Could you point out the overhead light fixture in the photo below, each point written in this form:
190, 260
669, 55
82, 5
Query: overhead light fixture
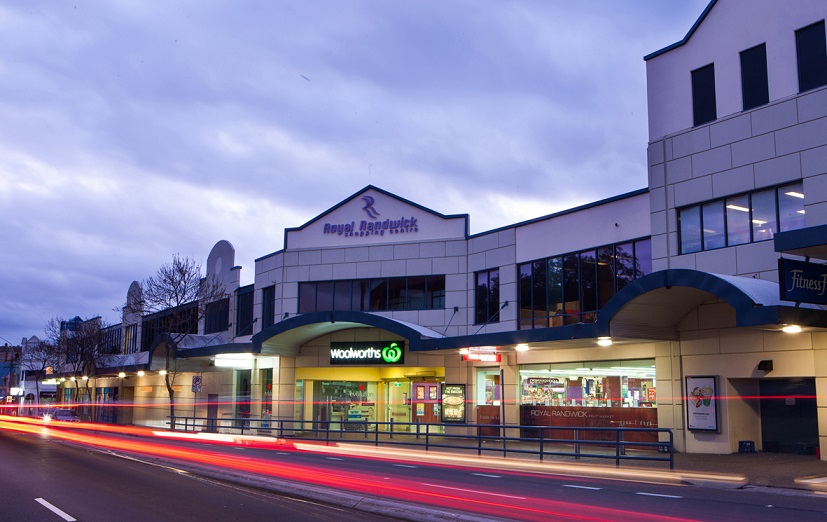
121, 375
521, 347
791, 329
464, 351
738, 208
604, 341
234, 360
141, 373
162, 372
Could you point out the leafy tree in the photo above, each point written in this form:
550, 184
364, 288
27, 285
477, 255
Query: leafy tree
39, 357
173, 302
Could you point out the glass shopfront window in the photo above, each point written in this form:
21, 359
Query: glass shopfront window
605, 394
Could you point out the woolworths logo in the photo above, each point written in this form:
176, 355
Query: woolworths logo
366, 353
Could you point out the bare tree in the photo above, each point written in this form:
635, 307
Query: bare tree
173, 302
78, 342
39, 357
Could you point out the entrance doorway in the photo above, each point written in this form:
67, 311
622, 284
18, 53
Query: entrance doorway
789, 422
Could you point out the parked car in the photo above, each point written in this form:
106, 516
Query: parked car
61, 415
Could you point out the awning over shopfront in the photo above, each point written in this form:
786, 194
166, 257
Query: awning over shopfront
807, 242
192, 352
286, 337
652, 306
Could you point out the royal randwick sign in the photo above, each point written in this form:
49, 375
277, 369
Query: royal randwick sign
365, 353
802, 282
374, 224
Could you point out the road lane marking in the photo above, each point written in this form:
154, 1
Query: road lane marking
62, 514
657, 495
333, 458
472, 491
405, 466
487, 475
581, 487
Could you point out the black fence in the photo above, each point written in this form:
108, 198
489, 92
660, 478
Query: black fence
618, 444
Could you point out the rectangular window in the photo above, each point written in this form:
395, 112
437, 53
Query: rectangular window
712, 215
737, 220
307, 298
624, 264
554, 283
643, 257
343, 295
690, 229
324, 296
217, 316
764, 223
487, 297
538, 289
378, 295
436, 292
396, 293
244, 312
812, 56
131, 342
588, 286
571, 289
526, 311
268, 306
417, 288
791, 207
605, 275
704, 108
754, 83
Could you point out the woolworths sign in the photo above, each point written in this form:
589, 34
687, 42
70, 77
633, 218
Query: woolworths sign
384, 353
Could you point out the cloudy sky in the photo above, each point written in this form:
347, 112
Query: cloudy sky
133, 130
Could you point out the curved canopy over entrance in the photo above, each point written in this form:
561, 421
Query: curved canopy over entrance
652, 306
287, 337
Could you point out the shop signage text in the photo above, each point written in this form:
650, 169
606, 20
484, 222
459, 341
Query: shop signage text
482, 357
802, 282
375, 226
384, 353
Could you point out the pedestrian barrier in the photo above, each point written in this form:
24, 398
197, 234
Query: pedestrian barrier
614, 443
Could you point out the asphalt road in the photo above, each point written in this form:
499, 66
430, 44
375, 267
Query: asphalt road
90, 485
48, 480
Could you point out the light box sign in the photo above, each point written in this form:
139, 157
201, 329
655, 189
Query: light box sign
453, 402
702, 403
482, 357
383, 353
802, 282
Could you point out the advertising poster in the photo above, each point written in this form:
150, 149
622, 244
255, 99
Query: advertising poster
702, 403
453, 402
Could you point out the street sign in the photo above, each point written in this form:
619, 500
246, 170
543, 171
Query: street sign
196, 383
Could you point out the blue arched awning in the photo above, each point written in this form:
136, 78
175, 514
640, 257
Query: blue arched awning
287, 336
653, 305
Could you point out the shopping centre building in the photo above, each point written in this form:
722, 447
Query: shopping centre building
656, 308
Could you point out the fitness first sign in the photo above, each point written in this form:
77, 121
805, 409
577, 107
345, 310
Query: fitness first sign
802, 282
384, 353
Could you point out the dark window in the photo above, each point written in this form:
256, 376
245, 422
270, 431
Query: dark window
605, 275
737, 220
526, 310
538, 288
754, 83
343, 295
436, 293
268, 306
244, 311
554, 282
624, 264
324, 296
307, 298
588, 284
131, 342
704, 109
378, 295
571, 289
396, 293
217, 316
812, 56
643, 257
487, 297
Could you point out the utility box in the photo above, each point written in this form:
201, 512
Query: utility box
746, 446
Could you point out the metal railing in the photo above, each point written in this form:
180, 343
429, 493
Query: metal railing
618, 444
